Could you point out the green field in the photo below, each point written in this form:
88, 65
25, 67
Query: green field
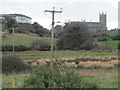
111, 44
18, 80
61, 54
113, 33
20, 39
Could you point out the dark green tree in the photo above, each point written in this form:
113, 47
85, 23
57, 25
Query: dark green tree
57, 30
42, 32
75, 36
10, 23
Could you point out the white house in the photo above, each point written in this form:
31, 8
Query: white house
18, 17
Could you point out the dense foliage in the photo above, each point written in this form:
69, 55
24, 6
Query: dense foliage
10, 24
75, 36
26, 28
13, 64
16, 48
107, 35
41, 45
44, 77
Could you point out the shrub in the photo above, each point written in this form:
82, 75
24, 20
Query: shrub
117, 37
103, 39
22, 48
6, 47
13, 64
41, 45
43, 77
118, 45
16, 48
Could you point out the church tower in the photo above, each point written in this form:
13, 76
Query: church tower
102, 19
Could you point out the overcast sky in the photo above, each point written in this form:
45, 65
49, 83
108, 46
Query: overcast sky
73, 10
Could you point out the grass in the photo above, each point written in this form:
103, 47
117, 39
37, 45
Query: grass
113, 33
18, 80
105, 78
63, 54
20, 39
111, 44
102, 83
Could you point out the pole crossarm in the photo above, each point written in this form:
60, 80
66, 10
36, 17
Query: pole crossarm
53, 11
48, 11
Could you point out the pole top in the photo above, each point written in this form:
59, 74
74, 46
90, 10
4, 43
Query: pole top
53, 8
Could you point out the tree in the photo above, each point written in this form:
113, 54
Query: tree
42, 32
57, 30
75, 36
10, 23
36, 25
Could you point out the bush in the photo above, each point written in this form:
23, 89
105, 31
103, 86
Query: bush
75, 36
22, 48
43, 77
7, 48
40, 45
13, 64
117, 37
118, 45
16, 48
103, 39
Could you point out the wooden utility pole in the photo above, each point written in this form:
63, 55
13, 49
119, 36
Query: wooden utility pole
52, 31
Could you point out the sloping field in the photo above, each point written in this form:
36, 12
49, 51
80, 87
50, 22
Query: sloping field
20, 39
113, 33
111, 44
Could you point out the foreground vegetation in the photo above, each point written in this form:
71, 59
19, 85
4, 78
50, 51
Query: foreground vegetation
45, 77
101, 77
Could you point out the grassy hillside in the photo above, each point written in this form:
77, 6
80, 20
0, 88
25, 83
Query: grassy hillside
25, 39
113, 33
111, 44
20, 39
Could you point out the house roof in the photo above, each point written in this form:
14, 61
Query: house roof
20, 15
8, 15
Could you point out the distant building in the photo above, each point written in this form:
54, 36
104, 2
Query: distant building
119, 15
18, 17
98, 26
